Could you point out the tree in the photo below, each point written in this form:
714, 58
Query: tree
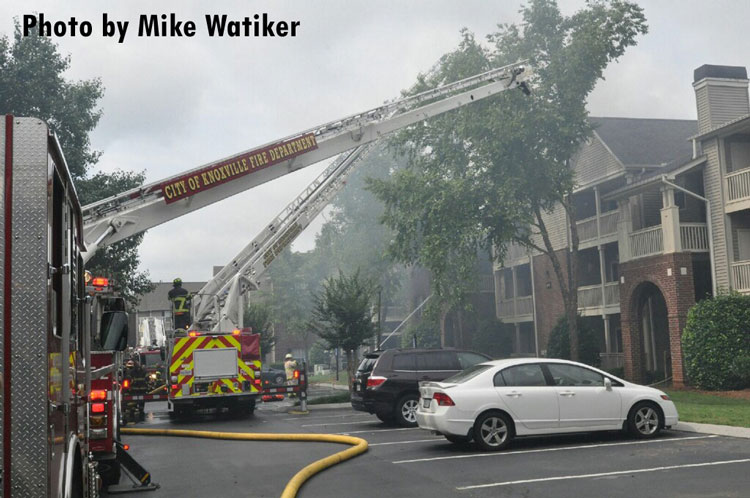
342, 315
258, 316
490, 173
32, 83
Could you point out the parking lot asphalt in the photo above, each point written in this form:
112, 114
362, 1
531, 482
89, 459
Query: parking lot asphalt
413, 462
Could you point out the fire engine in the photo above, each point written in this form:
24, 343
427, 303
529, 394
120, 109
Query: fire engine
57, 398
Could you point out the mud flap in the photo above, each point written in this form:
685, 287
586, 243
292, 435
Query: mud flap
140, 477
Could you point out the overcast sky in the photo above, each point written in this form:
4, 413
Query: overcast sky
172, 104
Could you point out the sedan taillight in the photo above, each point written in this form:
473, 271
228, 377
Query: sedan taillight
443, 399
375, 381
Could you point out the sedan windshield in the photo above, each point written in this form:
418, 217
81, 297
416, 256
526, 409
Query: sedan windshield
467, 374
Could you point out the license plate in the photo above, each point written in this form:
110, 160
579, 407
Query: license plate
426, 402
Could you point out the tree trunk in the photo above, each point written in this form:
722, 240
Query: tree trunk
443, 316
350, 367
569, 285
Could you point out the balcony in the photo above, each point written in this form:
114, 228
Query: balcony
590, 298
738, 185
741, 276
587, 228
694, 237
518, 309
646, 242
486, 283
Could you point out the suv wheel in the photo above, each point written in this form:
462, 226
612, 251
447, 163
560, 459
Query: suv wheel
406, 410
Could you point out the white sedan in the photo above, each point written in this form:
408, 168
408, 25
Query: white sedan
493, 402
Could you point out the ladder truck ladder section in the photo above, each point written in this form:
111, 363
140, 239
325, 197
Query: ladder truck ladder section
219, 300
135, 211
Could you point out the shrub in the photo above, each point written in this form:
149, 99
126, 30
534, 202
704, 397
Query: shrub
494, 338
558, 345
716, 342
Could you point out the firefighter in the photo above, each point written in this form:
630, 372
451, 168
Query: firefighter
136, 374
180, 299
290, 365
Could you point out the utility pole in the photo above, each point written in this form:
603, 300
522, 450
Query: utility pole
379, 331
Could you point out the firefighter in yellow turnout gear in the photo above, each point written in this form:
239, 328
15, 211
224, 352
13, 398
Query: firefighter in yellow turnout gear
180, 298
290, 365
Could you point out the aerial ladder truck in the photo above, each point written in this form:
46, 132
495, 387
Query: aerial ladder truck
217, 362
46, 364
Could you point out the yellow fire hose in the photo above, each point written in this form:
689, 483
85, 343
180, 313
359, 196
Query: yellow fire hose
359, 446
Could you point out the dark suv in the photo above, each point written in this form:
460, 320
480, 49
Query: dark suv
387, 382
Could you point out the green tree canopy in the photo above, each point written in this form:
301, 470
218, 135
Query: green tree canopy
485, 175
32, 83
342, 314
258, 316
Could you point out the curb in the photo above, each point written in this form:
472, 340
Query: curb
721, 430
327, 406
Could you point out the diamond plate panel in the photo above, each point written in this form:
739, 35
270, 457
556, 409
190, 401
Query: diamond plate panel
29, 362
2, 277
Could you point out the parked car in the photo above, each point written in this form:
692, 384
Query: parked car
272, 377
387, 382
496, 401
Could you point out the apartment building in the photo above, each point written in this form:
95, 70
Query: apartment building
663, 217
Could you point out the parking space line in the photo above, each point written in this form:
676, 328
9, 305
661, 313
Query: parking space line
380, 430
330, 416
544, 450
407, 442
340, 423
605, 474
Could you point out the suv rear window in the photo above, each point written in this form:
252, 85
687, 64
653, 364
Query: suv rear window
367, 364
437, 361
404, 362
468, 359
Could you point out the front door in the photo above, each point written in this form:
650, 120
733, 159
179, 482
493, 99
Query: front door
583, 399
531, 402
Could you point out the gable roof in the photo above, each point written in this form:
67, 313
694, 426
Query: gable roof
640, 142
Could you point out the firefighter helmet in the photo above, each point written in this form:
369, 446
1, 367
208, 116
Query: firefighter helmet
177, 282
288, 356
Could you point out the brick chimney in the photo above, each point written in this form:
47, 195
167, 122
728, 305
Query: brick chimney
720, 94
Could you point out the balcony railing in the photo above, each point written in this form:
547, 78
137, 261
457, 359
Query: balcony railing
738, 185
587, 227
694, 237
646, 242
590, 296
520, 306
612, 360
486, 283
741, 276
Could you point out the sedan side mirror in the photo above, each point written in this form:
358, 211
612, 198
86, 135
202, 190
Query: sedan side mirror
607, 384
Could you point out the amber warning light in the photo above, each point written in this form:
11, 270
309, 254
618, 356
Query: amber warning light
100, 282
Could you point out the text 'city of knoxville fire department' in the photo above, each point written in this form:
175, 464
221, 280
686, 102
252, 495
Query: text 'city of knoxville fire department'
235, 167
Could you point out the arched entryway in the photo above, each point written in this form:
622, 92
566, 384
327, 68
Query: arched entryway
651, 319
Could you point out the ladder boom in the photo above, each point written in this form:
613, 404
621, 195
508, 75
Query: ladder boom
134, 211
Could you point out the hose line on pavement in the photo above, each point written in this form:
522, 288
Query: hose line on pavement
359, 446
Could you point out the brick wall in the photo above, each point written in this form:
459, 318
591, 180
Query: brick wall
679, 294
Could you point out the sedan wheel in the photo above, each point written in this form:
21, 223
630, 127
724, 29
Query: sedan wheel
644, 420
493, 431
406, 410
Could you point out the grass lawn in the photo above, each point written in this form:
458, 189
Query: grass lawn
711, 409
330, 378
